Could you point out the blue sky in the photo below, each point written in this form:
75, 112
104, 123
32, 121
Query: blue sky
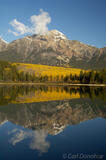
83, 20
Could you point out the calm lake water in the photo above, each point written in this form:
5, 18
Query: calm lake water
52, 123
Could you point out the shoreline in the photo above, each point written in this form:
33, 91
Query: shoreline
53, 84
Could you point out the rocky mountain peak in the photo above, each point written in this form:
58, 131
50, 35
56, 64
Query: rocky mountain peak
53, 35
56, 34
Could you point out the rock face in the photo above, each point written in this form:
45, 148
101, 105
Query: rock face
54, 49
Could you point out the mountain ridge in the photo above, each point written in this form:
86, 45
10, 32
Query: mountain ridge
53, 49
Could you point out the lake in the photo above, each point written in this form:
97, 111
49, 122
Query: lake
52, 122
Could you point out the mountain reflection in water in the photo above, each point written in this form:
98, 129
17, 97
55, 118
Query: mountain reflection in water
31, 113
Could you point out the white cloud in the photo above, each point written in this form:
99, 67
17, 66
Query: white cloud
38, 25
19, 27
40, 22
14, 33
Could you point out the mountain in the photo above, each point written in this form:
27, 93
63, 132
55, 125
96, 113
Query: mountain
54, 49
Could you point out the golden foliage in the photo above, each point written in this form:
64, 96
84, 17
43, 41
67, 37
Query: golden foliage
50, 71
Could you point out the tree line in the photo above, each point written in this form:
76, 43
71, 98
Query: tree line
9, 72
87, 77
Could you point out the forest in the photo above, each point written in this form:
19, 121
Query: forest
10, 73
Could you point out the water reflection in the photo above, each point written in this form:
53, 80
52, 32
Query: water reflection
38, 139
41, 118
30, 94
52, 116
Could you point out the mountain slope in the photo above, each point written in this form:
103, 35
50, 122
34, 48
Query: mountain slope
54, 49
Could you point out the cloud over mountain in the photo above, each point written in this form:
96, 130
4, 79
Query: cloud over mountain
38, 25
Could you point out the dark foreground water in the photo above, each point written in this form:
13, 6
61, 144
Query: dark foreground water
52, 123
